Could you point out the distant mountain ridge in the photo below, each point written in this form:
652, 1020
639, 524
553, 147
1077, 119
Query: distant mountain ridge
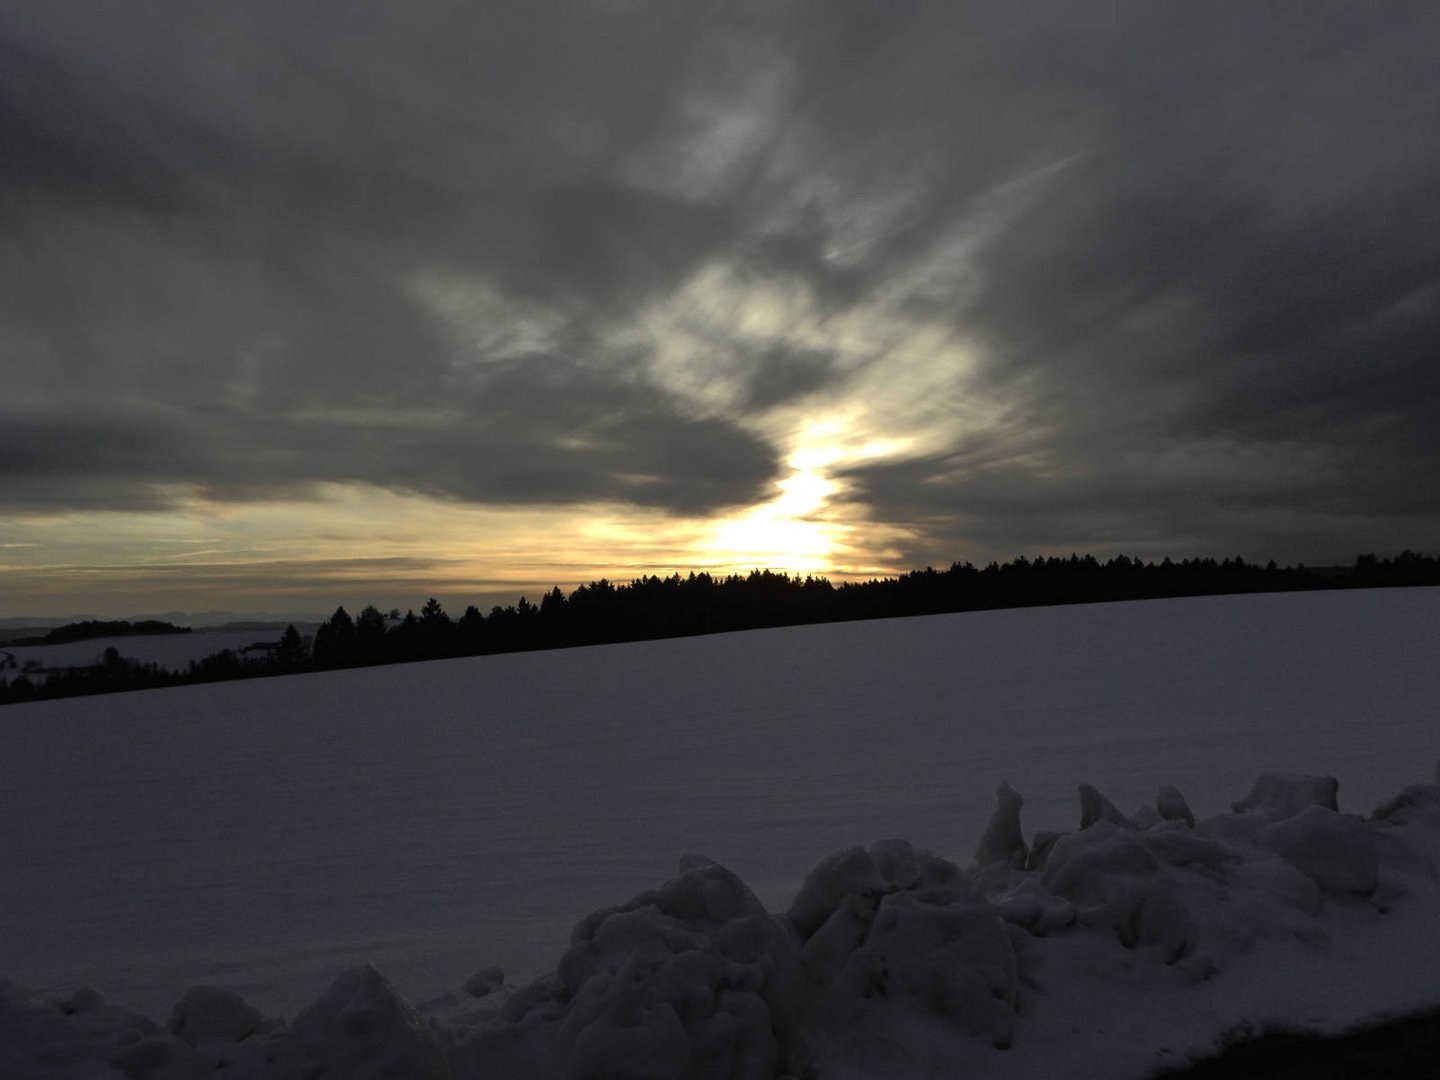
201, 620
90, 629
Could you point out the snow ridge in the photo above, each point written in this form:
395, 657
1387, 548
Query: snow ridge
1131, 945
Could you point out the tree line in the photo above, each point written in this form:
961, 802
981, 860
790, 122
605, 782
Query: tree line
654, 607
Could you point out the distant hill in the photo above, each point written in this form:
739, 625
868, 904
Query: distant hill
9, 635
234, 620
95, 628
14, 627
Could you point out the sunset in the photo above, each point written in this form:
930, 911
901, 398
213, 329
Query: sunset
321, 304
770, 539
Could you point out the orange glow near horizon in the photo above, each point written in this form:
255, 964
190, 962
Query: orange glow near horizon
357, 545
888, 391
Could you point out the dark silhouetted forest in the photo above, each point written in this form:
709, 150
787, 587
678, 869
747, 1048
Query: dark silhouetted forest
654, 607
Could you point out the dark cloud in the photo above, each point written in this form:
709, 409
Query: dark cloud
92, 461
65, 139
784, 374
1213, 330
1190, 250
538, 430
244, 257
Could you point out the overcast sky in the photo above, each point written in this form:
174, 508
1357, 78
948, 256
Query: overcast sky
315, 302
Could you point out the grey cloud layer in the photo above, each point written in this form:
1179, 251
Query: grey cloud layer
1194, 250
222, 281
1217, 328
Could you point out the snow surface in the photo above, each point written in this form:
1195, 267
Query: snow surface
435, 819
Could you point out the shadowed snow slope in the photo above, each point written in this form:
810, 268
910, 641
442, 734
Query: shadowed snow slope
433, 818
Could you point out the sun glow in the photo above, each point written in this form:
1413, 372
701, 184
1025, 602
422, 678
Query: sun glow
806, 528
779, 534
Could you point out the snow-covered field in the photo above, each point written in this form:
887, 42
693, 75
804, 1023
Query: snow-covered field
434, 819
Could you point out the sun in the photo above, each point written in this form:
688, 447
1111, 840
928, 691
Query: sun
786, 533
805, 528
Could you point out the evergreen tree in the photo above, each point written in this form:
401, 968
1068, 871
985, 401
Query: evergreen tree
335, 640
433, 617
290, 653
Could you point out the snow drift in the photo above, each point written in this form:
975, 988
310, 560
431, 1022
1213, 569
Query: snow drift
1133, 944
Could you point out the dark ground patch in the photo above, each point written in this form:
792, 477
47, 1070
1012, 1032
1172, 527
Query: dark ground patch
1408, 1048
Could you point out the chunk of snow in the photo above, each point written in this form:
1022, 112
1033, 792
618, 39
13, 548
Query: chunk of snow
1040, 847
938, 952
1118, 879
1416, 797
851, 872
1095, 807
80, 1037
1281, 796
1171, 805
483, 982
837, 903
694, 979
207, 1013
1333, 850
1002, 840
1034, 908
360, 1028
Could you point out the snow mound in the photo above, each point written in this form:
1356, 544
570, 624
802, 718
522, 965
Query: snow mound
209, 1014
892, 932
695, 979
1129, 944
361, 1028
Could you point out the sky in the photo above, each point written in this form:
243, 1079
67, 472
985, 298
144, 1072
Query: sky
319, 303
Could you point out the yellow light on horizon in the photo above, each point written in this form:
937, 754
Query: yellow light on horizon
790, 532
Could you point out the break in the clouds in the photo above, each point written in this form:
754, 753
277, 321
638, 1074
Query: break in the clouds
864, 285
